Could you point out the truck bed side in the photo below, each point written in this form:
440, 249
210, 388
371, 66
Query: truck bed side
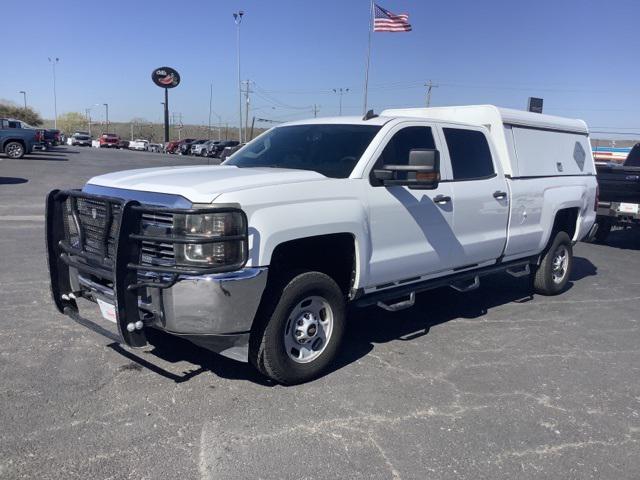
534, 205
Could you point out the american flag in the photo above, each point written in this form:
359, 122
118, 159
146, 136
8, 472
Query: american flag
385, 21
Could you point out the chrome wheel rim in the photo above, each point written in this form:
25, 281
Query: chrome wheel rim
560, 264
14, 150
308, 329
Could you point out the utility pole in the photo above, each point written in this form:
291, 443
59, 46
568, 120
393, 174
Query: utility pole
87, 111
53, 62
24, 94
237, 17
180, 127
106, 106
316, 109
210, 105
253, 122
430, 86
246, 118
340, 92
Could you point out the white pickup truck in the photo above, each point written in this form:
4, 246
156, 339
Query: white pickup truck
257, 258
139, 144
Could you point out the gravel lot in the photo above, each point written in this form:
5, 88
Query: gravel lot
491, 384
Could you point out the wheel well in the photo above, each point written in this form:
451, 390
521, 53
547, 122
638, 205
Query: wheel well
332, 254
566, 221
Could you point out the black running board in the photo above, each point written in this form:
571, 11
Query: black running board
386, 295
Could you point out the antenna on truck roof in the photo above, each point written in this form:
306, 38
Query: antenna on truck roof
369, 115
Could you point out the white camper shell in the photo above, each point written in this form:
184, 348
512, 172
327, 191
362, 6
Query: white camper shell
528, 144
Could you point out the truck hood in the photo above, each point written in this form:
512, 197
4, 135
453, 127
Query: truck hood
202, 184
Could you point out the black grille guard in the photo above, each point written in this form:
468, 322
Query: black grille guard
124, 270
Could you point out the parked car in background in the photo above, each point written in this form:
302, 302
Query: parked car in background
139, 144
619, 201
16, 142
185, 147
216, 149
155, 147
174, 147
52, 137
81, 139
123, 144
197, 147
230, 150
208, 147
110, 140
170, 147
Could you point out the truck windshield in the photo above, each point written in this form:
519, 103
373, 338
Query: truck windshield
331, 150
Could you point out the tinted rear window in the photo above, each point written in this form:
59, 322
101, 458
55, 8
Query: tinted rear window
469, 153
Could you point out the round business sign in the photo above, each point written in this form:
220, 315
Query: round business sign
165, 77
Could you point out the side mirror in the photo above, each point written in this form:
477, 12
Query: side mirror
422, 172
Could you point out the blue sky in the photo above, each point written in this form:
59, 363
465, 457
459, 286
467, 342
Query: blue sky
581, 56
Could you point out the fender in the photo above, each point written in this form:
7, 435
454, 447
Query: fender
279, 214
556, 199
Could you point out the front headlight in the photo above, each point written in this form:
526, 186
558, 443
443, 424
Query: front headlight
219, 239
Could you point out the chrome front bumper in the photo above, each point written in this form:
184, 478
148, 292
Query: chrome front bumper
214, 311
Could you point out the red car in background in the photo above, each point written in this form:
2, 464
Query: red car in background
170, 147
174, 147
109, 140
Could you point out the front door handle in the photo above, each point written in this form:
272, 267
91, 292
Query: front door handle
441, 199
499, 195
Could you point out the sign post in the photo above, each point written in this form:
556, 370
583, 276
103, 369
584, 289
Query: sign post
166, 77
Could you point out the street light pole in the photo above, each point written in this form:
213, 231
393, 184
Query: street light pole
24, 94
106, 106
340, 91
53, 62
237, 17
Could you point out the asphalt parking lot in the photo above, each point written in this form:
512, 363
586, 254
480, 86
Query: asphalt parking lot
491, 384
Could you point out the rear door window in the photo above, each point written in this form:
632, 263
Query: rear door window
469, 153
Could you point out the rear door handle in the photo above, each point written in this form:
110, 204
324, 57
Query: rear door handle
441, 199
499, 195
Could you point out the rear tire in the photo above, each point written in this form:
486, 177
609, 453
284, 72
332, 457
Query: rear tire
14, 150
299, 329
554, 271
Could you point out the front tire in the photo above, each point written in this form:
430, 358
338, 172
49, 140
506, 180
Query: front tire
14, 150
554, 271
299, 329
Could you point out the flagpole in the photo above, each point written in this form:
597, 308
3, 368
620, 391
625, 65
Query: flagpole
366, 75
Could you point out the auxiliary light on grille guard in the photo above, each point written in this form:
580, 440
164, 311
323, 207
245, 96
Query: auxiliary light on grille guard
105, 241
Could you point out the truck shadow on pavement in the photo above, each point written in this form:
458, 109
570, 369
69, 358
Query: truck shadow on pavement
365, 327
44, 157
370, 326
624, 239
12, 180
